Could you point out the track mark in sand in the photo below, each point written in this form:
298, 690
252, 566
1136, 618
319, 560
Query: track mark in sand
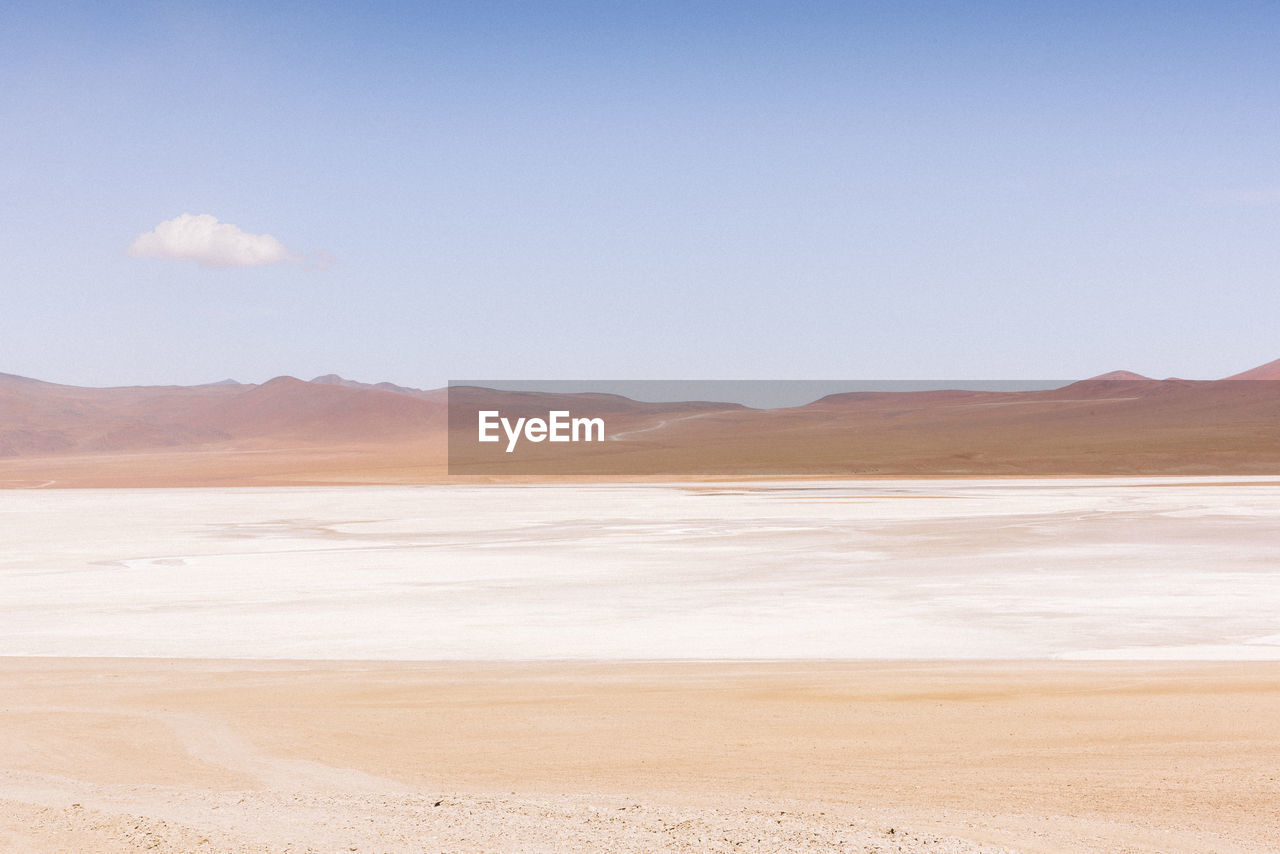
617, 437
210, 740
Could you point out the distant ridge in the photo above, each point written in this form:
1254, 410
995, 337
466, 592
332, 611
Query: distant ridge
408, 391
1269, 371
14, 379
45, 418
330, 429
1119, 376
334, 379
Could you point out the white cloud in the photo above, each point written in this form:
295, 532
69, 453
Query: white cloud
201, 238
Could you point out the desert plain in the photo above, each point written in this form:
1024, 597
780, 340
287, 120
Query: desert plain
1000, 664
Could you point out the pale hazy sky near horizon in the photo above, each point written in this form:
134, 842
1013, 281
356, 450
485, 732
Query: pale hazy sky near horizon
660, 190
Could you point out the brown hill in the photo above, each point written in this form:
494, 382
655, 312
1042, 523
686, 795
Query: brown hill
1269, 371
289, 431
438, 395
1101, 426
290, 408
58, 422
1114, 376
467, 399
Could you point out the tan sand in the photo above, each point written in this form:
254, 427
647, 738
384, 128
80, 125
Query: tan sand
163, 755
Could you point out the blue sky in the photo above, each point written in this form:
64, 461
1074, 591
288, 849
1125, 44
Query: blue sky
650, 190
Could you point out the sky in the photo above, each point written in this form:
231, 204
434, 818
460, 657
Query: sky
417, 192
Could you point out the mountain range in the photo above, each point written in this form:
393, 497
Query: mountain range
335, 430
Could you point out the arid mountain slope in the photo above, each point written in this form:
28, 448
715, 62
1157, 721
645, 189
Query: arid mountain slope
45, 418
1269, 371
335, 430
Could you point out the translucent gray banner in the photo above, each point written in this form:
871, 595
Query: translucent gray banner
862, 427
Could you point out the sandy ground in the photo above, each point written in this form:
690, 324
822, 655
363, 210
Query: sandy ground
117, 755
260, 685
